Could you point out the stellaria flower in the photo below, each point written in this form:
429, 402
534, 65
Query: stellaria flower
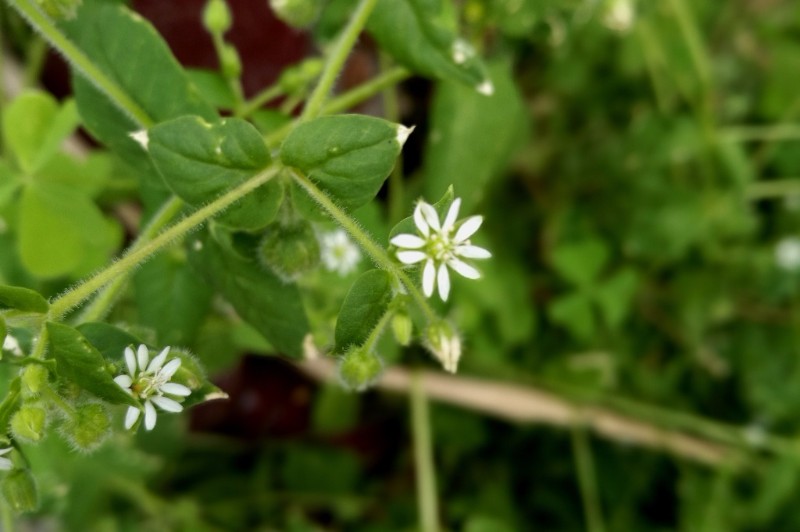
787, 253
339, 253
150, 383
440, 246
5, 463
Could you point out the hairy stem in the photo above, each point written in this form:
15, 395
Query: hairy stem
587, 479
423, 457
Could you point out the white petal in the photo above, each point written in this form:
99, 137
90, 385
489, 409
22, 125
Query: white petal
430, 215
130, 361
173, 388
406, 240
149, 415
124, 381
428, 278
5, 451
411, 257
6, 464
131, 416
142, 356
444, 282
169, 370
158, 361
464, 269
472, 252
468, 228
165, 403
419, 220
452, 214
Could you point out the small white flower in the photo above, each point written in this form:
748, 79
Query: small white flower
5, 463
149, 381
11, 345
787, 253
445, 344
619, 15
339, 253
441, 245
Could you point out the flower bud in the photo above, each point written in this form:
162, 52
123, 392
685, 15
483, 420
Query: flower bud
289, 250
296, 13
34, 379
19, 491
402, 327
28, 423
359, 369
60, 9
443, 342
217, 17
231, 64
295, 79
88, 427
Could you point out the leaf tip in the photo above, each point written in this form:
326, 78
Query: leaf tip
218, 394
141, 137
485, 87
403, 133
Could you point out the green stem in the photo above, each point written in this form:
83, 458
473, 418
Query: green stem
775, 132
234, 83
423, 456
377, 331
587, 480
47, 29
134, 257
372, 249
37, 52
57, 400
337, 58
777, 188
694, 43
257, 101
105, 299
40, 347
8, 518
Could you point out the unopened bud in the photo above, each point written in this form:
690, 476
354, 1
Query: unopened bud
359, 369
295, 79
443, 342
28, 423
87, 427
19, 491
289, 250
217, 17
402, 327
231, 64
34, 379
296, 13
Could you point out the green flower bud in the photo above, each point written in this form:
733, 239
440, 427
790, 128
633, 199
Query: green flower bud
34, 380
295, 79
88, 427
19, 491
231, 64
402, 327
60, 9
289, 250
359, 369
296, 13
444, 343
28, 423
217, 17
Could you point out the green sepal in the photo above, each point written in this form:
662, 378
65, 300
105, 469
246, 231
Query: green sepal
24, 299
79, 362
200, 161
363, 307
347, 156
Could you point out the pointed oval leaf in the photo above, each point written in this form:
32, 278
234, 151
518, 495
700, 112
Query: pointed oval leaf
24, 299
348, 156
363, 307
109, 340
79, 362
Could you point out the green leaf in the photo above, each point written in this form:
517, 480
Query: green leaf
363, 307
192, 375
273, 307
59, 229
34, 126
614, 296
580, 263
24, 299
79, 362
418, 34
109, 340
130, 51
458, 151
574, 313
407, 225
201, 161
213, 86
3, 330
172, 298
348, 156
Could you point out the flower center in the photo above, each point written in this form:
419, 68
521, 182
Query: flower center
441, 247
148, 385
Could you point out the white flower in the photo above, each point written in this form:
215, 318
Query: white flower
339, 253
149, 383
787, 253
11, 345
619, 15
445, 344
5, 463
441, 246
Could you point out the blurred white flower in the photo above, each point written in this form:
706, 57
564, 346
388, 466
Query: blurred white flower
150, 383
339, 253
619, 15
787, 253
441, 245
445, 344
11, 345
5, 463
